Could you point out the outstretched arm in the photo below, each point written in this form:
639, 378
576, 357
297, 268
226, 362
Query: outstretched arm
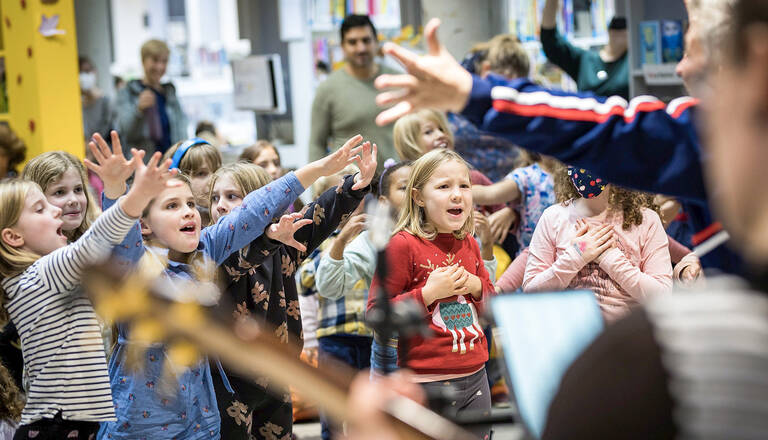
643, 144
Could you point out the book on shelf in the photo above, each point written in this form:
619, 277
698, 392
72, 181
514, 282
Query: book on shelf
650, 42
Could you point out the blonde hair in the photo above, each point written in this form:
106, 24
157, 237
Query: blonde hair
154, 48
325, 183
247, 176
13, 260
196, 157
407, 132
413, 217
527, 158
711, 20
507, 56
47, 169
252, 152
621, 201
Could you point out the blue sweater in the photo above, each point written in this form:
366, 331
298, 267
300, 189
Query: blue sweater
190, 412
642, 144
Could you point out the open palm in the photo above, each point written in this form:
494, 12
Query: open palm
111, 165
435, 80
366, 163
284, 230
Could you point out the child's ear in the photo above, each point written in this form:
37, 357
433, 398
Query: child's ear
417, 197
12, 238
485, 68
145, 229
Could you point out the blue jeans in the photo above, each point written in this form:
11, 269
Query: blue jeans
352, 350
383, 357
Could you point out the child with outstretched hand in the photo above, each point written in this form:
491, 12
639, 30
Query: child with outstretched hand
181, 251
68, 392
260, 282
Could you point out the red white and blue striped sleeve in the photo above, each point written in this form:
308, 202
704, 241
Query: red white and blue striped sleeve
643, 144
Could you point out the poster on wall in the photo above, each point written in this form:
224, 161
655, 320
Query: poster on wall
258, 84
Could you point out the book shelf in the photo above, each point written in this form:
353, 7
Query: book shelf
325, 17
587, 29
657, 80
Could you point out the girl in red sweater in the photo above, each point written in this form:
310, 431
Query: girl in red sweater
434, 260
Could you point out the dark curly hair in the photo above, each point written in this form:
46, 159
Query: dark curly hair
622, 201
11, 400
13, 148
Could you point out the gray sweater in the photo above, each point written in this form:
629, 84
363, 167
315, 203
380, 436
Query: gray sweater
345, 106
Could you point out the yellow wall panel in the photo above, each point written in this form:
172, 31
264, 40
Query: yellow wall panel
43, 88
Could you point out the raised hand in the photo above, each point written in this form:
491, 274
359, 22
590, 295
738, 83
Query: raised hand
149, 181
284, 230
434, 80
366, 163
351, 229
330, 164
500, 222
111, 166
338, 160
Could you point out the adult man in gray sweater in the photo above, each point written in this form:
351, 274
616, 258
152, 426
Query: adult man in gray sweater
345, 103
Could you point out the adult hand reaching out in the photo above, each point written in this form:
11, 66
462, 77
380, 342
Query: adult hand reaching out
435, 80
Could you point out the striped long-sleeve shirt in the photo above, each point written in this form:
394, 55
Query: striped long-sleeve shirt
64, 361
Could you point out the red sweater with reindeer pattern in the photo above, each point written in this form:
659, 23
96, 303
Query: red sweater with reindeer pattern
456, 344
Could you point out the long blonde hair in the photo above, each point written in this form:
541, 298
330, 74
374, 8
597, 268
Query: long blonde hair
47, 169
407, 132
413, 217
13, 260
247, 176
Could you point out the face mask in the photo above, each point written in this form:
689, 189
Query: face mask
587, 185
87, 80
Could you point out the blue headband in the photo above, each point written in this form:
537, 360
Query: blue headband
182, 150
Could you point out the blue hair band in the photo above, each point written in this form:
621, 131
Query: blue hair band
182, 150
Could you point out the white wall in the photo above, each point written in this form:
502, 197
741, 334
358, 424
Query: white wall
92, 21
464, 23
128, 34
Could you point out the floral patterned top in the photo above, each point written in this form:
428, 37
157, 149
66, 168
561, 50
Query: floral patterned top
262, 282
537, 190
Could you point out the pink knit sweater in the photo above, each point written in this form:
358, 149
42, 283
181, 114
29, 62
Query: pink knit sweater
638, 266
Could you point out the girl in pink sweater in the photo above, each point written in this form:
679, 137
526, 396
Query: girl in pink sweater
599, 237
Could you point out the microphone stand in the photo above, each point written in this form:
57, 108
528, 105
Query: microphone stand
388, 319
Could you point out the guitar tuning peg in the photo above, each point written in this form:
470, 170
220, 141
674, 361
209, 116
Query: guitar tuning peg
183, 353
147, 331
187, 314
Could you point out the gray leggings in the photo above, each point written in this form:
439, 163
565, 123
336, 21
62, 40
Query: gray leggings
471, 394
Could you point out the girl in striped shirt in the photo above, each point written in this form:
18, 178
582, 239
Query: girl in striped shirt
66, 378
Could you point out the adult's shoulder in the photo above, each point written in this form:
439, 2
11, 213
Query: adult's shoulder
386, 69
132, 87
335, 79
169, 88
